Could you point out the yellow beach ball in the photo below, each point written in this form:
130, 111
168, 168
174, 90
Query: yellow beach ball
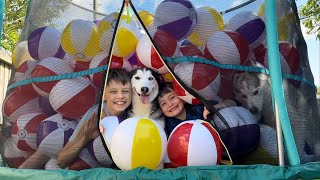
126, 38
80, 39
138, 141
106, 30
147, 18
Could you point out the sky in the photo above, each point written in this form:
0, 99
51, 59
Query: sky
313, 45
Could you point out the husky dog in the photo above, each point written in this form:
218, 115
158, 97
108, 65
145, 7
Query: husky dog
253, 91
145, 89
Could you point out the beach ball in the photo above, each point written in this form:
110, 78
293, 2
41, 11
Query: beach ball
106, 30
138, 141
133, 60
45, 106
99, 60
194, 143
209, 21
244, 133
202, 78
165, 43
98, 152
176, 17
24, 131
260, 53
53, 134
50, 66
20, 54
250, 26
147, 19
227, 47
126, 39
45, 42
110, 124
73, 97
80, 38
184, 95
24, 70
190, 50
148, 56
289, 58
120, 63
20, 102
12, 155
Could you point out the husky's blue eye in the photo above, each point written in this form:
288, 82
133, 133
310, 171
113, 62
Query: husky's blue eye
150, 78
137, 78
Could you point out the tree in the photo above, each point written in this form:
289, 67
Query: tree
310, 17
42, 14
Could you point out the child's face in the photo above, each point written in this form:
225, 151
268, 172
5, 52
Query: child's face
171, 105
118, 97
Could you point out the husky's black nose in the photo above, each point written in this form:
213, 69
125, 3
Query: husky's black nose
254, 110
144, 90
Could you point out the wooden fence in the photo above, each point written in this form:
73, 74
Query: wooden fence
5, 73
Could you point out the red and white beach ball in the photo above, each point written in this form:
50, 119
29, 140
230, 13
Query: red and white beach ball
194, 143
99, 60
227, 47
289, 58
45, 42
80, 39
24, 70
148, 56
209, 21
244, 133
53, 134
73, 97
184, 95
176, 17
49, 67
165, 43
138, 141
98, 152
249, 26
24, 131
203, 78
120, 63
190, 50
12, 155
20, 102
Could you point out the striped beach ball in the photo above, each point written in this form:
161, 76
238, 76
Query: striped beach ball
73, 97
12, 155
20, 54
289, 58
120, 63
45, 42
227, 47
190, 50
126, 39
106, 30
249, 26
194, 143
138, 141
165, 43
80, 38
53, 134
244, 133
50, 66
176, 17
209, 21
98, 152
184, 95
99, 60
20, 102
24, 131
203, 78
133, 60
147, 19
148, 56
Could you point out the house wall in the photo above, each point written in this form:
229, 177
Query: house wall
5, 73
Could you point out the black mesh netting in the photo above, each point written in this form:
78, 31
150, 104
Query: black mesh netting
214, 49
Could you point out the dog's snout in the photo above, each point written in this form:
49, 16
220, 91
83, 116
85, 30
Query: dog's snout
144, 90
254, 110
